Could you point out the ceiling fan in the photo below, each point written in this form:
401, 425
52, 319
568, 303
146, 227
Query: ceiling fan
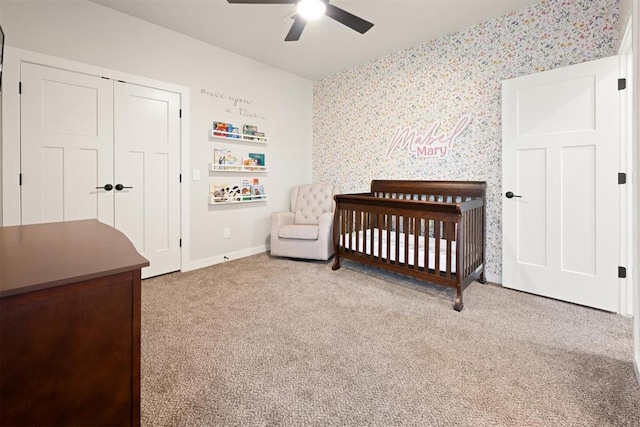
315, 9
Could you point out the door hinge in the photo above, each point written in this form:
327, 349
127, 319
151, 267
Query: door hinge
180, 113
106, 78
20, 179
180, 243
622, 178
622, 272
180, 178
19, 88
622, 84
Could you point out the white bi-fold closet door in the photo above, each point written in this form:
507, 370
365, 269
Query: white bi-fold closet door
92, 147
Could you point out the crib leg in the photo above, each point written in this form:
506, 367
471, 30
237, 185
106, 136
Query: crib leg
336, 262
483, 278
458, 306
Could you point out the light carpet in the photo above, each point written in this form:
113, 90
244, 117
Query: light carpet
264, 341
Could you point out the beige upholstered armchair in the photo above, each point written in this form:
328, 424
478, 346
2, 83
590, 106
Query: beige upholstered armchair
306, 230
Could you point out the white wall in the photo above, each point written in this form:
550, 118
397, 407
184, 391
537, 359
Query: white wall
89, 33
636, 202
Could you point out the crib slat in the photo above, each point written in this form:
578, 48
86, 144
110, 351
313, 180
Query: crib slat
357, 219
467, 242
479, 241
352, 236
448, 226
437, 225
427, 243
365, 228
397, 245
417, 222
471, 254
472, 232
380, 228
343, 231
406, 240
474, 239
387, 218
469, 257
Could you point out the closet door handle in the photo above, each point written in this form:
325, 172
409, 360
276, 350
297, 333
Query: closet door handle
107, 187
120, 187
508, 194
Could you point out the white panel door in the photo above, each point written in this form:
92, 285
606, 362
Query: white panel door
561, 199
66, 145
147, 159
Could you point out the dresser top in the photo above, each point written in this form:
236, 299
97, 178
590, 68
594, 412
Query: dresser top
40, 256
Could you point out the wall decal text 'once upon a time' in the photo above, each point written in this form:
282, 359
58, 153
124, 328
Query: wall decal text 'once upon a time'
431, 144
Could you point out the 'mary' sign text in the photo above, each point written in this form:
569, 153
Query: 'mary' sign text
431, 144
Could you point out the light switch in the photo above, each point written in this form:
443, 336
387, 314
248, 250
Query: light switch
196, 174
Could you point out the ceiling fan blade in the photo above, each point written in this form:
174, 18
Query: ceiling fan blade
296, 29
261, 1
348, 19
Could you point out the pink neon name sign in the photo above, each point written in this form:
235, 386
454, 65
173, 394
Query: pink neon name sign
432, 144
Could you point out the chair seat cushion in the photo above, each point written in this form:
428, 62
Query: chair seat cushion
301, 232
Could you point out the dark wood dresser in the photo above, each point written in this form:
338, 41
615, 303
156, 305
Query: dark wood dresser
69, 325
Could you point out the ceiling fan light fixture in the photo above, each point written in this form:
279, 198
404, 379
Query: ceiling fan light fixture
311, 9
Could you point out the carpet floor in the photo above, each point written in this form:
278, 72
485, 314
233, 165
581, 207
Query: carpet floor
264, 341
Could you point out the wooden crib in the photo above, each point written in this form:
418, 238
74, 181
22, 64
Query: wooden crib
431, 230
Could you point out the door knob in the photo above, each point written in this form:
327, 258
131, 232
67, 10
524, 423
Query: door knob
107, 187
508, 194
121, 187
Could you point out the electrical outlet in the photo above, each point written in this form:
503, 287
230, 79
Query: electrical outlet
226, 233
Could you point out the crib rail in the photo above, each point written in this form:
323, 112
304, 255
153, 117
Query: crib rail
443, 191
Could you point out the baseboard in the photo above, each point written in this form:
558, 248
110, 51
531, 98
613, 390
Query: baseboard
207, 262
494, 278
636, 367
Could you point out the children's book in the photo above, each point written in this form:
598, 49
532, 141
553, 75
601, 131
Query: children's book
219, 191
221, 128
224, 159
245, 189
259, 157
249, 130
257, 191
259, 136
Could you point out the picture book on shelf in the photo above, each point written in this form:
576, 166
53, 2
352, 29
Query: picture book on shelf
220, 128
224, 159
259, 157
245, 189
234, 194
257, 191
218, 190
255, 161
259, 136
226, 130
249, 163
249, 129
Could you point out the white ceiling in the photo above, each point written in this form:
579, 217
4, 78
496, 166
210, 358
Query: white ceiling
326, 47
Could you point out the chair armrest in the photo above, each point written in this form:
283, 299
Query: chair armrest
325, 222
278, 219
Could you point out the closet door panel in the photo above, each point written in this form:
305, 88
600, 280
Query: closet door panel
66, 144
147, 147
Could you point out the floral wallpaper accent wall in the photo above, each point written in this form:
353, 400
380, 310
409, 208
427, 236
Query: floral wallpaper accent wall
357, 112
